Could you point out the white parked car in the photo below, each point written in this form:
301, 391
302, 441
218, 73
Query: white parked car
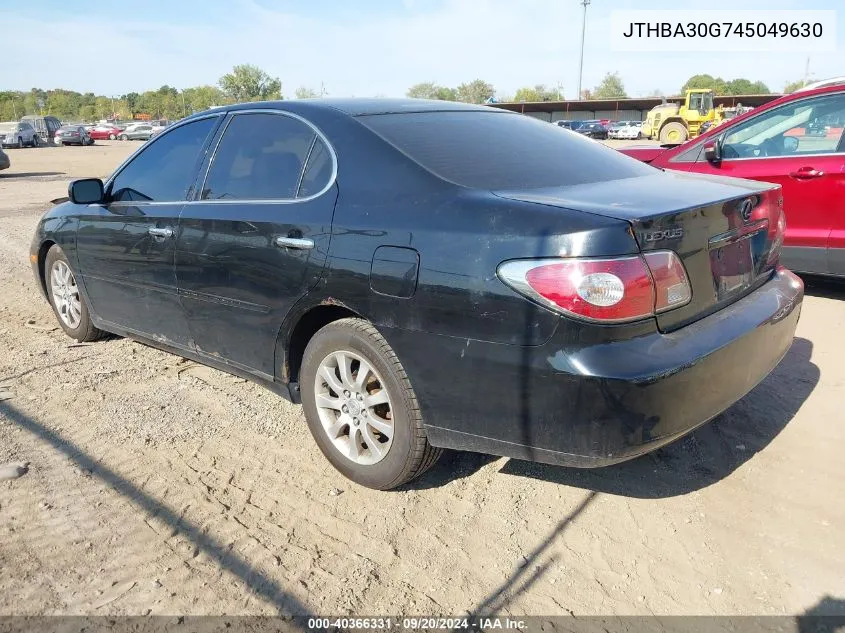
631, 130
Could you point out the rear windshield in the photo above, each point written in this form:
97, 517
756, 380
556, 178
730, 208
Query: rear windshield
495, 150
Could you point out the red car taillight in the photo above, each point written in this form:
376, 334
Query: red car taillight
612, 290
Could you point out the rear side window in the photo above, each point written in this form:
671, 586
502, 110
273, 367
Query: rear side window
260, 157
165, 170
496, 150
318, 171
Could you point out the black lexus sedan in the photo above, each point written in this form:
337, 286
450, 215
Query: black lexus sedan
426, 275
593, 130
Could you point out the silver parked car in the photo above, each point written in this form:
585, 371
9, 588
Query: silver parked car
18, 134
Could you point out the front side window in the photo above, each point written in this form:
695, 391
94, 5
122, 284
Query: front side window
260, 157
793, 129
165, 170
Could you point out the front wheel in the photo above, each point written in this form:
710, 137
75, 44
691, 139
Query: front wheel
67, 302
361, 408
20, 142
112, 137
673, 132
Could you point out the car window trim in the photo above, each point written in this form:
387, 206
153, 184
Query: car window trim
788, 156
305, 166
675, 159
319, 134
784, 105
150, 203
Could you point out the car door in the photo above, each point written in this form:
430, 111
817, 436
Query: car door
126, 246
781, 146
257, 236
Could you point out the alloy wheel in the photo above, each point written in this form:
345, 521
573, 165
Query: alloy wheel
354, 407
65, 294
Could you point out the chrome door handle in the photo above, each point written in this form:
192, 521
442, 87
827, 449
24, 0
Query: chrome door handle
156, 232
806, 173
294, 242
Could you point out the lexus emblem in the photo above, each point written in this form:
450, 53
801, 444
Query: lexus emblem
745, 208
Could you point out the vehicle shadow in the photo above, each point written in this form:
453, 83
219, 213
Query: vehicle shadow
826, 616
452, 466
824, 287
221, 553
707, 455
30, 174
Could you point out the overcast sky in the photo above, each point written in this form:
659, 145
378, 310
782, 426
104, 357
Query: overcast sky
362, 47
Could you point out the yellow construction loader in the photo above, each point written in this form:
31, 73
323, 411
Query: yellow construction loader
675, 123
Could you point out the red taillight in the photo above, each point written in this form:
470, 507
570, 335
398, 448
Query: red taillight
671, 286
607, 290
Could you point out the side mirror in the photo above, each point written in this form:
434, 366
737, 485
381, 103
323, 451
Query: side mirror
86, 191
790, 144
713, 152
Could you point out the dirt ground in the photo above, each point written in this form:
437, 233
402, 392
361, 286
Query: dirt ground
158, 485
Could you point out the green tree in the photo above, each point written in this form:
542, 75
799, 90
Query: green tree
792, 86
431, 90
306, 93
133, 102
476, 91
611, 87
746, 87
719, 86
716, 84
249, 83
203, 97
539, 92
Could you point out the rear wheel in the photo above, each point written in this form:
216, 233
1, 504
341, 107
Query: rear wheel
361, 408
123, 137
112, 137
673, 132
67, 302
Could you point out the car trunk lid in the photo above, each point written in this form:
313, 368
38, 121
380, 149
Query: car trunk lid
723, 229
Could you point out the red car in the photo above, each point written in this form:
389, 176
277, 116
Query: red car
797, 142
103, 132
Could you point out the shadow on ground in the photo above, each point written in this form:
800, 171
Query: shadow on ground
259, 584
30, 174
707, 455
824, 287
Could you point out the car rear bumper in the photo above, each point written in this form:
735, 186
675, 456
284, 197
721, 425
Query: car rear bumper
599, 404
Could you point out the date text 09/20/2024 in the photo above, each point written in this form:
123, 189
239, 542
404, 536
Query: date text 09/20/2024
416, 623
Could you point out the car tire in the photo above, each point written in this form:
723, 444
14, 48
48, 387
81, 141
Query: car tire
112, 137
66, 299
667, 130
123, 137
341, 433
34, 141
20, 142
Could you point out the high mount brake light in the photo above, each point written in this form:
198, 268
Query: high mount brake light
612, 290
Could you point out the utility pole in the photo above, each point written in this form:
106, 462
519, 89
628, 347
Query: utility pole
806, 72
584, 3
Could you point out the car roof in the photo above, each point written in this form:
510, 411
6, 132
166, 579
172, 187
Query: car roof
364, 106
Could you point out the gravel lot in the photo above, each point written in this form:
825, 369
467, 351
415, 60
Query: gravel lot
158, 485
